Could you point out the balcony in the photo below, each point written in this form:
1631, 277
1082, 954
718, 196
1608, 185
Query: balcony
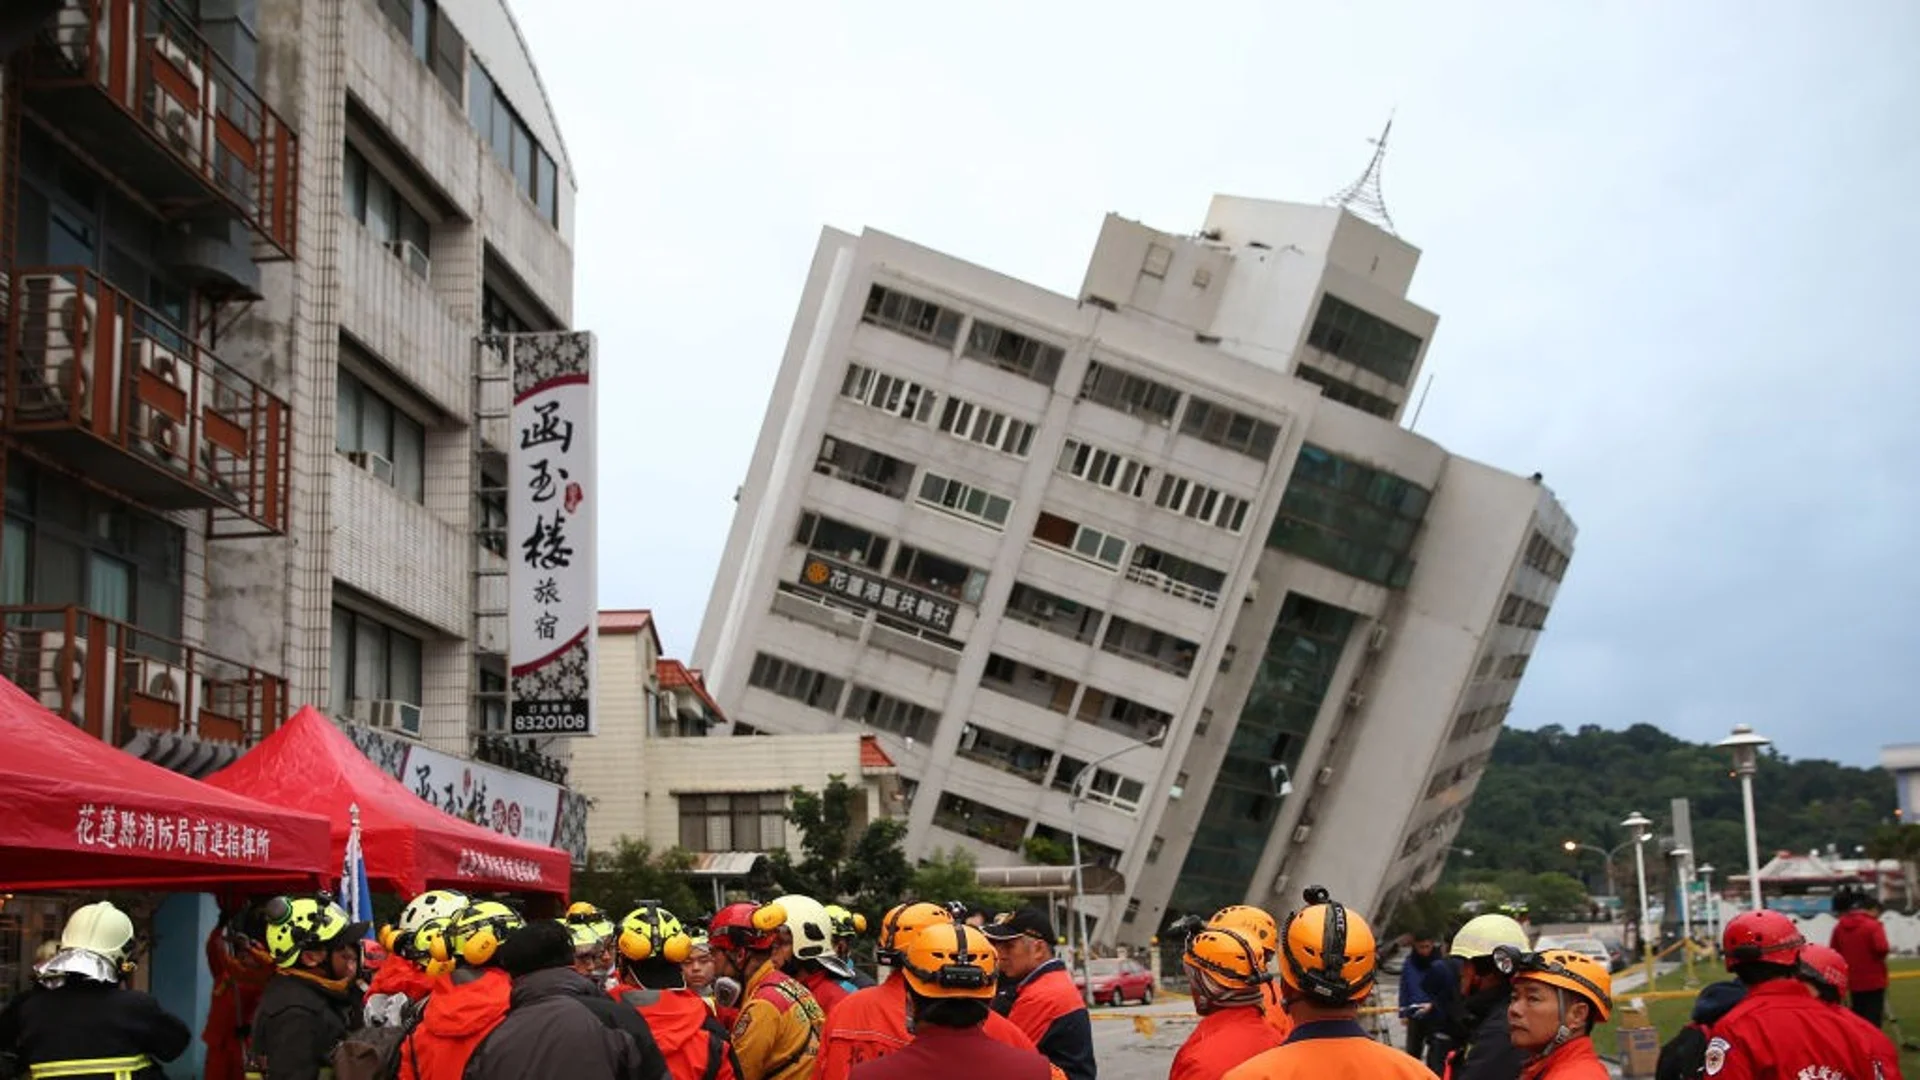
119, 394
206, 143
156, 697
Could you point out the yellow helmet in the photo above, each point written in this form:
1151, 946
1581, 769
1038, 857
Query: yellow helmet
428, 946
900, 925
1571, 971
846, 923
1485, 933
296, 924
1327, 951
432, 904
950, 960
651, 930
478, 932
588, 926
1251, 923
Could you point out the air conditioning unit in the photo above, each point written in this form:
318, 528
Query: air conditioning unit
969, 735
1356, 698
1280, 882
177, 121
162, 682
377, 464
402, 717
1377, 638
1324, 776
1300, 833
415, 258
60, 661
56, 330
160, 435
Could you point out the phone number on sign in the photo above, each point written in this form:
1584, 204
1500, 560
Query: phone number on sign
550, 723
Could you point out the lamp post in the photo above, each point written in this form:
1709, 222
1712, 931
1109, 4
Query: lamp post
1683, 858
1573, 847
1712, 903
1077, 791
1639, 823
1746, 744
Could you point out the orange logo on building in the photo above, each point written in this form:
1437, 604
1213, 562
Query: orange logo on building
815, 573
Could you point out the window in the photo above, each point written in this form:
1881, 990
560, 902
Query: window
1229, 430
1334, 390
884, 712
912, 316
1030, 684
372, 662
1116, 472
492, 697
1168, 652
1522, 612
965, 500
64, 544
1004, 752
841, 540
1105, 786
888, 393
1159, 258
380, 438
1202, 503
1514, 666
1351, 517
1111, 712
976, 423
423, 12
492, 515
749, 821
498, 315
514, 146
1129, 393
1082, 540
1546, 558
546, 181
1175, 576
431, 37
1009, 351
1053, 613
1365, 340
980, 821
862, 467
798, 682
373, 201
936, 573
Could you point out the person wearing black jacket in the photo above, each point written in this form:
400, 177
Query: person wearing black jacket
311, 1002
1684, 1057
79, 1014
1478, 1017
549, 1029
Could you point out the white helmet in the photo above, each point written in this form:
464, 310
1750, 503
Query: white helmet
101, 929
808, 923
1485, 933
433, 904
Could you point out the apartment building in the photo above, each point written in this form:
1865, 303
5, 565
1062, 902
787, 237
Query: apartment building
1153, 565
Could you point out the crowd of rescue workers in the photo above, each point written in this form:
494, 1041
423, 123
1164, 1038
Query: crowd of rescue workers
468, 989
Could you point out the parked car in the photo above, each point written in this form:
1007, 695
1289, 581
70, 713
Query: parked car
1118, 981
1583, 944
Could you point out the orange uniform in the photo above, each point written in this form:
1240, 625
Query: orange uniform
1222, 1040
237, 984
1573, 1060
1331, 1050
1276, 1011
459, 1015
685, 1029
872, 1023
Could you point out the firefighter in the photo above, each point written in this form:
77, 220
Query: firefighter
1825, 970
1778, 1030
1228, 977
79, 1021
312, 1003
1327, 962
649, 953
238, 959
777, 1033
949, 972
1258, 927
402, 979
1558, 998
848, 925
807, 953
1482, 1048
1047, 1006
592, 932
469, 1001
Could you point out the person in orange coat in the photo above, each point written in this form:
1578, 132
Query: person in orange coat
1229, 979
1258, 927
238, 958
872, 1023
1558, 997
949, 971
648, 951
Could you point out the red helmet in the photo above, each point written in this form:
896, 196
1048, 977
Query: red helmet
1826, 966
1761, 937
734, 927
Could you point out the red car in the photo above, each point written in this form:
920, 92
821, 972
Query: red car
1117, 982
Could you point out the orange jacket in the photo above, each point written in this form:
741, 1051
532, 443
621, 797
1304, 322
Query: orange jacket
460, 1013
1276, 1010
872, 1023
1222, 1040
237, 984
1331, 1050
1573, 1060
684, 1027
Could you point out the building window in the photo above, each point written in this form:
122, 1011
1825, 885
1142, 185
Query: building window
1105, 786
1202, 503
1159, 258
965, 500
937, 573
1365, 340
980, 821
797, 682
888, 393
498, 316
1123, 715
1230, 430
1025, 356
514, 146
64, 544
491, 526
1004, 752
912, 316
379, 437
988, 427
1546, 558
1115, 472
1513, 666
884, 712
861, 467
1351, 517
1334, 390
749, 821
1524, 613
373, 201
1083, 541
1177, 577
850, 543
1053, 613
492, 695
1143, 644
1030, 684
1129, 393
372, 662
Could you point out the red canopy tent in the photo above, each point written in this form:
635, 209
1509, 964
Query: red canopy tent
410, 845
80, 814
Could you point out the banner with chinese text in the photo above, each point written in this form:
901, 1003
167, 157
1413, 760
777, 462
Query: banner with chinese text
550, 520
509, 803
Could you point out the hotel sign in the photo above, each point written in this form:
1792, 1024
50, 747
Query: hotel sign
864, 587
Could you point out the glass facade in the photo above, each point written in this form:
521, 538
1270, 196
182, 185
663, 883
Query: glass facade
1295, 673
1365, 340
1354, 518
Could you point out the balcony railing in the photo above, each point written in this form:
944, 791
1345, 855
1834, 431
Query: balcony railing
147, 60
1193, 594
116, 681
104, 381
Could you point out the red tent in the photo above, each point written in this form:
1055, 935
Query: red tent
80, 814
410, 845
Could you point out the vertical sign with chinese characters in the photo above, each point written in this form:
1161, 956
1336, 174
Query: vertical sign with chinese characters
550, 522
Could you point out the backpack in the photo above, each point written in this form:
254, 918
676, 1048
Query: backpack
373, 1053
1684, 1057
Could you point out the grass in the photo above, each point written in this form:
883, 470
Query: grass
1669, 1016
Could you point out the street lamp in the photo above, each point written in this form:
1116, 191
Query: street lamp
1639, 823
1712, 902
1682, 858
1574, 847
1746, 744
1077, 791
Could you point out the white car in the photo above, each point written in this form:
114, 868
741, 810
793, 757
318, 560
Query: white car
1585, 945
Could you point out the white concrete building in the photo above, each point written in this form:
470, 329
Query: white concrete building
1167, 528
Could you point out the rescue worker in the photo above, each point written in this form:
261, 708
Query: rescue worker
697, 969
1558, 998
310, 1005
848, 925
1825, 970
806, 951
238, 959
559, 1022
402, 979
872, 1023
1327, 962
78, 1021
1047, 1006
1861, 938
470, 999
777, 1033
1778, 1030
948, 970
592, 932
649, 954
1228, 977
1481, 1048
1258, 927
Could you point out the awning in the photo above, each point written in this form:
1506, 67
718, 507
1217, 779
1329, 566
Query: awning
1054, 880
410, 845
80, 814
725, 864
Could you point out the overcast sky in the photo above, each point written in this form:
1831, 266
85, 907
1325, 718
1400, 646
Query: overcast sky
1673, 248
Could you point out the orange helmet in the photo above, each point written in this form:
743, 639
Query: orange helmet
1224, 968
1327, 951
1565, 969
950, 960
898, 927
1251, 923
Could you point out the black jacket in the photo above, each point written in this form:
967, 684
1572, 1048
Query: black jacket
85, 1020
561, 1024
1485, 1052
298, 1024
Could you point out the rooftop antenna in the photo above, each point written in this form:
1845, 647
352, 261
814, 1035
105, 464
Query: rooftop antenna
1362, 198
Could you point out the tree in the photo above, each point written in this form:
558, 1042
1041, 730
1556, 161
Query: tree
864, 869
1556, 895
945, 876
616, 881
1046, 851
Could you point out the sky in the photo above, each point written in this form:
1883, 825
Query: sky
1672, 247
